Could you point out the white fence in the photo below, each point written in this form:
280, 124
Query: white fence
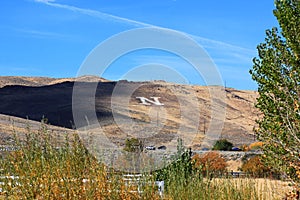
130, 180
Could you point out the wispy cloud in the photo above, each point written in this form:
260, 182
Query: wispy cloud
96, 13
42, 34
45, 1
7, 69
206, 42
209, 43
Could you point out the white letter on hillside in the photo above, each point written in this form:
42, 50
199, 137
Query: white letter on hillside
145, 100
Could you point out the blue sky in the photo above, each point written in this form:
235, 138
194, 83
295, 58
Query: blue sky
52, 38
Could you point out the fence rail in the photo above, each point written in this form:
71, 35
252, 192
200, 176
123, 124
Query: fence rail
8, 148
138, 180
141, 180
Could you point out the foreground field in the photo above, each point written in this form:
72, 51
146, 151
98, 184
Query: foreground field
264, 188
45, 171
250, 189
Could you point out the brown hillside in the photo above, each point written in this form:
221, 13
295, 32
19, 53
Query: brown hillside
41, 81
35, 98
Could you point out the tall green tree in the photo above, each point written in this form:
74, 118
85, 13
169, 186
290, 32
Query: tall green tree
277, 73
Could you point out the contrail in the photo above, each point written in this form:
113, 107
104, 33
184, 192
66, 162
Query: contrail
98, 14
117, 19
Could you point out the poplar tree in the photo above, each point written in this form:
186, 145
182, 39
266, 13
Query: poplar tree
276, 71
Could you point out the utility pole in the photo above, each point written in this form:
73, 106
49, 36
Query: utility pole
204, 123
157, 116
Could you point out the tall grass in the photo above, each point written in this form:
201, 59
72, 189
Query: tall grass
48, 169
67, 171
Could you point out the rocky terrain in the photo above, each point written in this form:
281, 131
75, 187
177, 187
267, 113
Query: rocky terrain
115, 111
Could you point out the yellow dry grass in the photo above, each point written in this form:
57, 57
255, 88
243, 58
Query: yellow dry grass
265, 188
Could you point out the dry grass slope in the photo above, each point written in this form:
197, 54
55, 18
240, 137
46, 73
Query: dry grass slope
159, 125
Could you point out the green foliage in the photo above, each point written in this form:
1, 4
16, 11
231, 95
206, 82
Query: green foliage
180, 147
183, 181
222, 145
181, 167
133, 145
276, 72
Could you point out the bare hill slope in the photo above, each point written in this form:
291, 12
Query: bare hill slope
41, 81
35, 98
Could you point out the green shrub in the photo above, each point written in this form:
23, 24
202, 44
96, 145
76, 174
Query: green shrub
133, 145
223, 145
